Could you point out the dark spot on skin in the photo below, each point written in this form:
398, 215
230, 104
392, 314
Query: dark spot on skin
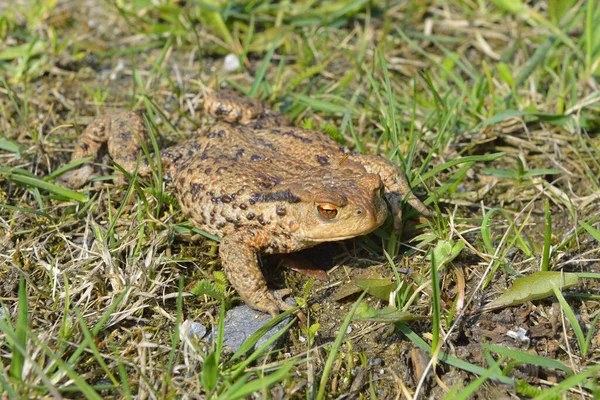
171, 156
221, 225
99, 130
226, 198
230, 220
238, 154
280, 210
251, 201
265, 143
256, 157
243, 206
323, 160
262, 220
207, 171
215, 199
222, 109
84, 146
125, 135
182, 181
195, 188
250, 216
296, 136
281, 195
221, 169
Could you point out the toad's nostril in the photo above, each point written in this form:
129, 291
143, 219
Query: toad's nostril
359, 212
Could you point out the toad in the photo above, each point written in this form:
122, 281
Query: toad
258, 183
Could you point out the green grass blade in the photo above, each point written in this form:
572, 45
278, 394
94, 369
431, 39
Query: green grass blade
336, 348
21, 329
241, 367
77, 379
547, 236
253, 339
260, 74
476, 384
72, 165
450, 360
569, 383
50, 187
11, 146
568, 311
435, 289
527, 358
262, 383
436, 170
591, 230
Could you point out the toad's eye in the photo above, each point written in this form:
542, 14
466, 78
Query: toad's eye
327, 211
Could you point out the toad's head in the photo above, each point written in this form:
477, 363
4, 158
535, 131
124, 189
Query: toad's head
337, 207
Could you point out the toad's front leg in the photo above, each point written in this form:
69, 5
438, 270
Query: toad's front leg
238, 252
396, 186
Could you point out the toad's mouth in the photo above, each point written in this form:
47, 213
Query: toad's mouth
331, 238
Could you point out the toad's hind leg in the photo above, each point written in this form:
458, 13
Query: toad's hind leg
124, 132
238, 252
234, 107
395, 185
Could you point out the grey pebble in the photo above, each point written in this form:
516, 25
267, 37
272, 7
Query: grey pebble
376, 361
242, 321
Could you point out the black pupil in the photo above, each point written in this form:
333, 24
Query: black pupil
328, 212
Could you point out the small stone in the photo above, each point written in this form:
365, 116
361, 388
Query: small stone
242, 321
231, 62
191, 330
520, 334
376, 361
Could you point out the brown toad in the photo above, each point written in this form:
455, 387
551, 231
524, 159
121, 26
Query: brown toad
259, 184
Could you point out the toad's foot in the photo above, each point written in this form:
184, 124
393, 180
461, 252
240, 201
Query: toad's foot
234, 107
124, 132
396, 188
238, 255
